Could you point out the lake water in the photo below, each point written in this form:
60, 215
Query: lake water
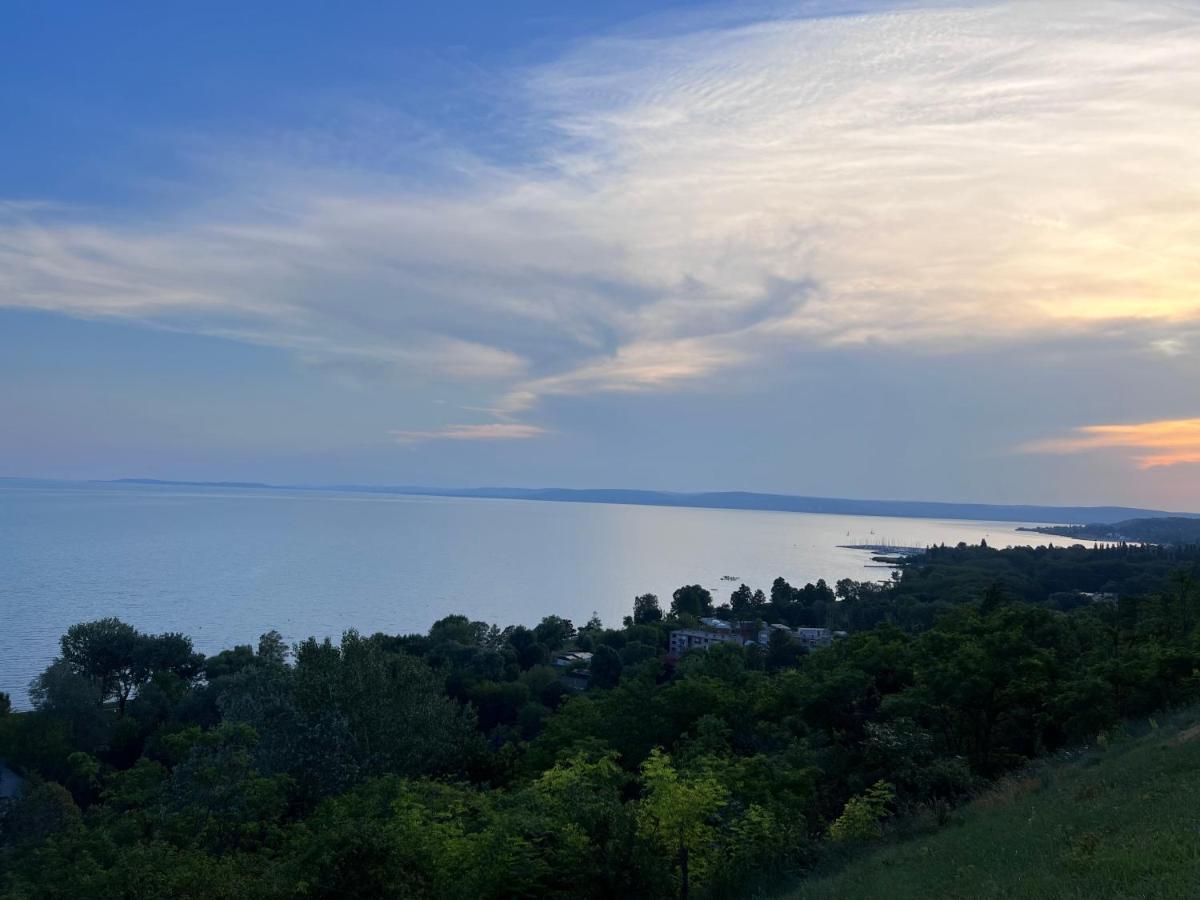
226, 565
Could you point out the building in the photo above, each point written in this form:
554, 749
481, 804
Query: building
813, 637
576, 676
741, 634
685, 639
572, 658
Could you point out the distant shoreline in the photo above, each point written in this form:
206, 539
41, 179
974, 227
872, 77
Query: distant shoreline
746, 500
1158, 530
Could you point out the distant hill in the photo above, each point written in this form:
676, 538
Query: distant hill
1058, 515
1159, 530
222, 484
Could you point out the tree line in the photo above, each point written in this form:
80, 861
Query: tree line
457, 763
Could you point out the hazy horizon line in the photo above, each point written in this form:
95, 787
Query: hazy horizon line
954, 509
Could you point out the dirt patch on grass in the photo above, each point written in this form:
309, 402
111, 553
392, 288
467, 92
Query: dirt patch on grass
1009, 791
1190, 734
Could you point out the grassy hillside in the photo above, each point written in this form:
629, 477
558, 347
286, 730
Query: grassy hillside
1121, 821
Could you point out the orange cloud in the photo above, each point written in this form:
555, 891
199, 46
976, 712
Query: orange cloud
1167, 442
498, 431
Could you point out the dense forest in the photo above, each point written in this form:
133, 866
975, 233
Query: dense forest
459, 763
1158, 530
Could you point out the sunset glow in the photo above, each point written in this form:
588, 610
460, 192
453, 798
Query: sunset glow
967, 225
1170, 442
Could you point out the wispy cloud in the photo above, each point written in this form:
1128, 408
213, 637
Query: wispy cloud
497, 431
1168, 442
704, 196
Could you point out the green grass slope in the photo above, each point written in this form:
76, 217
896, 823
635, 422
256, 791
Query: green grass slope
1121, 821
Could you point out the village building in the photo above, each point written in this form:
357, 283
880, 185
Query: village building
741, 634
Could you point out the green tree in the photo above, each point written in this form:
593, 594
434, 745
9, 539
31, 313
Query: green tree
105, 651
862, 818
554, 631
646, 609
782, 593
606, 667
351, 710
741, 599
119, 659
783, 651
216, 795
229, 662
691, 600
64, 694
993, 598
167, 654
676, 813
271, 649
43, 808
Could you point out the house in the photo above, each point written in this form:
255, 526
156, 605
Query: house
813, 637
572, 658
576, 676
685, 639
741, 634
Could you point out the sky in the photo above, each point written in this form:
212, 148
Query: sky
914, 250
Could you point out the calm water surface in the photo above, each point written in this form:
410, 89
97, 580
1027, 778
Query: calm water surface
226, 565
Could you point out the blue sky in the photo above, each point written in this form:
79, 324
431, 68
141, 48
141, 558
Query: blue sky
924, 250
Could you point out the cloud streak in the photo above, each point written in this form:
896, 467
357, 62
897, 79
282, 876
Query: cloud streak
1164, 443
708, 197
496, 431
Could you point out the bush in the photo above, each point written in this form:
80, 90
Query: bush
862, 819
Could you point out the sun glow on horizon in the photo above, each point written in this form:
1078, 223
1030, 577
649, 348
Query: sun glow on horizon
1159, 444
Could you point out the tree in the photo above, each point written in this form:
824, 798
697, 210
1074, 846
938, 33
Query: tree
691, 600
119, 659
5, 704
554, 631
75, 699
105, 651
349, 710
229, 662
60, 689
635, 652
782, 593
741, 599
167, 653
530, 651
43, 809
606, 667
217, 795
457, 629
580, 798
782, 651
993, 598
271, 648
861, 819
675, 813
646, 609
